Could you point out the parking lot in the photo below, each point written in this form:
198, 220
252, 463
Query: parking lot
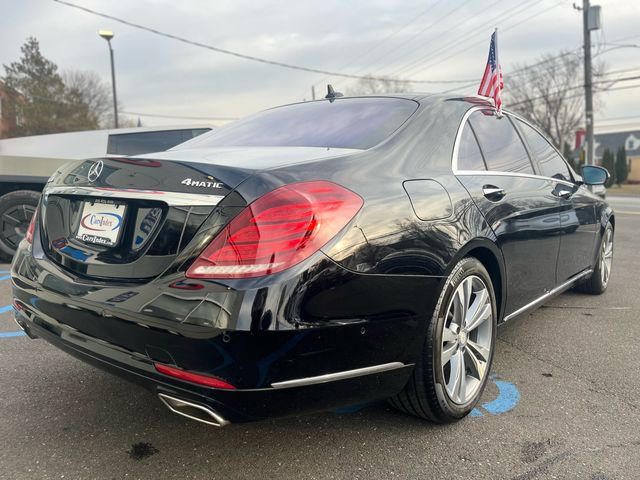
564, 403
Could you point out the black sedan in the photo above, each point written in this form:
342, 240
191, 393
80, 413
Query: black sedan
312, 256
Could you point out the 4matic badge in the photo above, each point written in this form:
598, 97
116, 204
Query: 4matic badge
190, 182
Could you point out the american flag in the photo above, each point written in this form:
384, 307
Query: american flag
492, 84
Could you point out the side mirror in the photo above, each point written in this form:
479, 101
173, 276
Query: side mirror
592, 175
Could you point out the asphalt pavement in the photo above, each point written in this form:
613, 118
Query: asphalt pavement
564, 402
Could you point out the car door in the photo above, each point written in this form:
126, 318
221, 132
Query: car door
493, 164
577, 206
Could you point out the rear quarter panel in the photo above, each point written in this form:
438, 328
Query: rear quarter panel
387, 236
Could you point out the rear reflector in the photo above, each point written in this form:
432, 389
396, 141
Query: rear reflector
32, 227
277, 231
193, 377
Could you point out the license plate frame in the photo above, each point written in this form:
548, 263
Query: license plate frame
101, 223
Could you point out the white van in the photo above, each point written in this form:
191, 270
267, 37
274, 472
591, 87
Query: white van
27, 162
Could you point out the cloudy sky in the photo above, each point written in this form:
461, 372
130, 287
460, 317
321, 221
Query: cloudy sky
411, 39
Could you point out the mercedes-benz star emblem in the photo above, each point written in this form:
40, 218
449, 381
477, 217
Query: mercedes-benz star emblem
95, 171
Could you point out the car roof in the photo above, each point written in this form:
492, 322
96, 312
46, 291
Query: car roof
420, 97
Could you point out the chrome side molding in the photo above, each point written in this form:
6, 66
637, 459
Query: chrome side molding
333, 377
193, 411
540, 300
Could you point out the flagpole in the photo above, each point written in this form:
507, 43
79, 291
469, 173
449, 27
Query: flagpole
499, 67
497, 57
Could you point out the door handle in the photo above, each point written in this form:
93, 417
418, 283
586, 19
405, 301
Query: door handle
492, 192
566, 194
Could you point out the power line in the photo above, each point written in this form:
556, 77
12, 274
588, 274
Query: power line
627, 117
448, 57
529, 67
628, 87
388, 37
577, 87
624, 70
463, 39
382, 41
520, 71
225, 51
431, 24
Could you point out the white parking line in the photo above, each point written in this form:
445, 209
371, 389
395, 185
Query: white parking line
623, 212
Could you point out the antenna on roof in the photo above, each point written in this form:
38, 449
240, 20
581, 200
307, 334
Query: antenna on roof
332, 94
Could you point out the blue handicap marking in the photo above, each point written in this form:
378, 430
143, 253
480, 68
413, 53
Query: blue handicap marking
4, 275
18, 333
508, 398
6, 308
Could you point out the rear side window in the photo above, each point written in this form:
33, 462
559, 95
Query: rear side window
551, 163
147, 142
501, 145
469, 154
344, 123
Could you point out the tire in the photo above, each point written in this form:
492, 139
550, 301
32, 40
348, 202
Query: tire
598, 281
430, 392
16, 210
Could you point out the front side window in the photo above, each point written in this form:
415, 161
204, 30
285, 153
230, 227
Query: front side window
358, 123
501, 145
551, 163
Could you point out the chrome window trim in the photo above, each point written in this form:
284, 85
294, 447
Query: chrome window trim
332, 377
173, 199
456, 148
489, 173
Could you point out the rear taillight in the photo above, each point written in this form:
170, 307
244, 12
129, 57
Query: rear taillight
32, 227
277, 231
193, 377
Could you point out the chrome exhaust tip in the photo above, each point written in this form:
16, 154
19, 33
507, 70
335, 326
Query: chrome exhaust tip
193, 411
24, 328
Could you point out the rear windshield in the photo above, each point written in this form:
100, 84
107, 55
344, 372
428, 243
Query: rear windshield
345, 123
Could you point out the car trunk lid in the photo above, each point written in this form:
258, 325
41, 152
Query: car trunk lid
129, 218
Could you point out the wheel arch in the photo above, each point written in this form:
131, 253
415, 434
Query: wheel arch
487, 253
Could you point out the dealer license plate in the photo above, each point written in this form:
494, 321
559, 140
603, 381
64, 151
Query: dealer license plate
101, 223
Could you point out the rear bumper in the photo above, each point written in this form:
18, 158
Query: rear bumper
233, 406
275, 343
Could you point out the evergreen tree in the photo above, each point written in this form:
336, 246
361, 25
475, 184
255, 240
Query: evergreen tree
46, 105
622, 168
608, 162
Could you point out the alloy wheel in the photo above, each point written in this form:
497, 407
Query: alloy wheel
606, 256
14, 222
467, 339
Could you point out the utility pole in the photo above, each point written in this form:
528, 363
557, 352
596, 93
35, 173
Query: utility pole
588, 84
313, 92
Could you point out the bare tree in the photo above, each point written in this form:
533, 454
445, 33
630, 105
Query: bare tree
369, 86
88, 88
549, 93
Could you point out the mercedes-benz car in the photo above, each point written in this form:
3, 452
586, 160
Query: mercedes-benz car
312, 256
